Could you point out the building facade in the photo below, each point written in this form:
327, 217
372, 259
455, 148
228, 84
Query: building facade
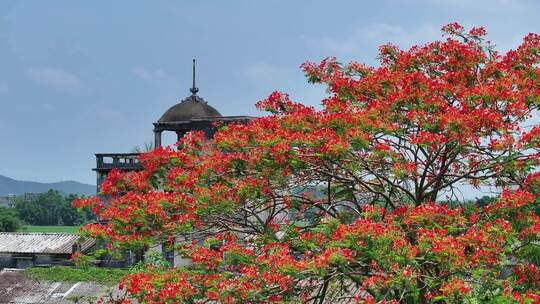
7, 201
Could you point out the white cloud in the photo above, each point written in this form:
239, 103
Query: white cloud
55, 78
148, 74
506, 21
369, 37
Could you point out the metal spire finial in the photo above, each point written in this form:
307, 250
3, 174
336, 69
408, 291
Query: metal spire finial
194, 89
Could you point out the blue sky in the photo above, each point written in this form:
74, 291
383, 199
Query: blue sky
81, 77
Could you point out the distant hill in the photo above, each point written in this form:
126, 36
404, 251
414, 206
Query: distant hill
12, 186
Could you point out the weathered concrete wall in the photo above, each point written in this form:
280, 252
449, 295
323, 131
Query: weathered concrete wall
177, 260
7, 261
43, 259
24, 263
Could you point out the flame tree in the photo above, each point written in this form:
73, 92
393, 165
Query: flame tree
348, 202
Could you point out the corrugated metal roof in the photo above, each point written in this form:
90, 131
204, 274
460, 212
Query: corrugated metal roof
59, 243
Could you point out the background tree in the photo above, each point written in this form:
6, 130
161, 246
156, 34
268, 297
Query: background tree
145, 147
9, 222
51, 209
347, 203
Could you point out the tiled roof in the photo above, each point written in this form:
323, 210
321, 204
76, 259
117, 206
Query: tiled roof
59, 243
17, 288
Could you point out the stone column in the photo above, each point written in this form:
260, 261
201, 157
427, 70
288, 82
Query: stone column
157, 138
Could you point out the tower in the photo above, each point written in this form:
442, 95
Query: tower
192, 113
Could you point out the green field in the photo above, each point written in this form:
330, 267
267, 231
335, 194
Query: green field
106, 276
64, 229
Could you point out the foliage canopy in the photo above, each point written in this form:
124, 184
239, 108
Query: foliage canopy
345, 202
9, 222
51, 208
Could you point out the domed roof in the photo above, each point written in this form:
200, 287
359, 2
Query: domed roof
189, 108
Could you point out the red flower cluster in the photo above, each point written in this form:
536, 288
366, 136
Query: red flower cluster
356, 200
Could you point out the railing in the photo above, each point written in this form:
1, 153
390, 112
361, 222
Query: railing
122, 161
